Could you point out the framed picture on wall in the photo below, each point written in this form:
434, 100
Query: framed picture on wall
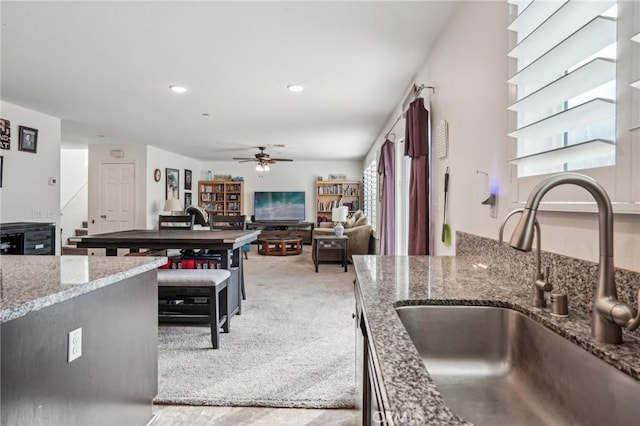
5, 134
187, 200
27, 139
172, 179
1, 169
187, 179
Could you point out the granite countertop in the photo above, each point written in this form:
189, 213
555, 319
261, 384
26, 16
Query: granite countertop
385, 282
30, 283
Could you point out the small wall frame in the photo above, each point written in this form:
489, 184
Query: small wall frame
27, 139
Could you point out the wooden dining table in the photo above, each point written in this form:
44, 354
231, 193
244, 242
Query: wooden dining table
226, 241
136, 239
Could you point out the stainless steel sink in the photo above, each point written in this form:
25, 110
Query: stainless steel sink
496, 366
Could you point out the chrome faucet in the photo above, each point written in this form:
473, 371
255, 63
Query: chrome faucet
609, 315
540, 283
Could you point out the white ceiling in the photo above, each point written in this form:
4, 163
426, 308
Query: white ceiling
104, 68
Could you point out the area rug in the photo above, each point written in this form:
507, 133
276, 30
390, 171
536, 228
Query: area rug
293, 345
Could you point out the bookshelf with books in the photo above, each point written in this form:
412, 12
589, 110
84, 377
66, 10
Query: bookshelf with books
221, 197
330, 194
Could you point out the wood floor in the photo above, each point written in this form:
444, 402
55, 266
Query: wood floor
183, 415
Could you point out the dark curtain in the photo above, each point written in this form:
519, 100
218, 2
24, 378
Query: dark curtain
416, 147
386, 168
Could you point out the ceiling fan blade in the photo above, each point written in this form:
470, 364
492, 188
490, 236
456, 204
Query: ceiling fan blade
261, 158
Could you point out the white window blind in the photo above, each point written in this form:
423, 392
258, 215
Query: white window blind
371, 193
565, 85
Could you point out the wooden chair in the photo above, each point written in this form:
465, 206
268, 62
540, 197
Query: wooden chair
235, 222
219, 221
175, 222
167, 223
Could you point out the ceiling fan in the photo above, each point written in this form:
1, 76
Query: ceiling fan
263, 159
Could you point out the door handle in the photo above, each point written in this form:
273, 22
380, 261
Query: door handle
103, 216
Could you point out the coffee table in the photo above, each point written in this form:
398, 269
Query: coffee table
331, 242
278, 246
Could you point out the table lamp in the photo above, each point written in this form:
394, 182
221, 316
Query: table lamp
172, 205
339, 214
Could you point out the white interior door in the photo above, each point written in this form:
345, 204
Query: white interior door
117, 203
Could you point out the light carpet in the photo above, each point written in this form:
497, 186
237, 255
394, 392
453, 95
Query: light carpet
293, 345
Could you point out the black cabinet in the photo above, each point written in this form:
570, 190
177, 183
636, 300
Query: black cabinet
369, 403
27, 238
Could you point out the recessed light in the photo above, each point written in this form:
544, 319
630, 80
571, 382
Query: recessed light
295, 87
205, 114
178, 89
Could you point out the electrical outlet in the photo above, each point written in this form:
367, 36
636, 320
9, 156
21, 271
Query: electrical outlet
75, 345
36, 214
49, 214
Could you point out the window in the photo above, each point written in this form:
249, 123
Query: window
565, 57
575, 66
371, 192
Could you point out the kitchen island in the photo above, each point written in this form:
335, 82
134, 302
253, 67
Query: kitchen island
402, 386
105, 372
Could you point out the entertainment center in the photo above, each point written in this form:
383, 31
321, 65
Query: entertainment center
281, 214
276, 213
289, 229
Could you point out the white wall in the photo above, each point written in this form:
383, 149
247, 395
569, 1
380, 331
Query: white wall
156, 191
469, 69
284, 176
26, 194
74, 192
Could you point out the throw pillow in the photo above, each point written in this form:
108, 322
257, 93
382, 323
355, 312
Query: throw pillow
357, 214
363, 220
349, 223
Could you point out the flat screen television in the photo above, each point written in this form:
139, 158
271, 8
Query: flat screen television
279, 206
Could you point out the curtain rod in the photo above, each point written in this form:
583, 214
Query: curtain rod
415, 92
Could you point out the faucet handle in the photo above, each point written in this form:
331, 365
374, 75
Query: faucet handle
635, 322
544, 281
622, 314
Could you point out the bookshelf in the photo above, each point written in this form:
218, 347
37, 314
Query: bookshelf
330, 193
221, 197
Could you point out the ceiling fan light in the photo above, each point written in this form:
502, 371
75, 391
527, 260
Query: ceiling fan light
266, 168
259, 168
